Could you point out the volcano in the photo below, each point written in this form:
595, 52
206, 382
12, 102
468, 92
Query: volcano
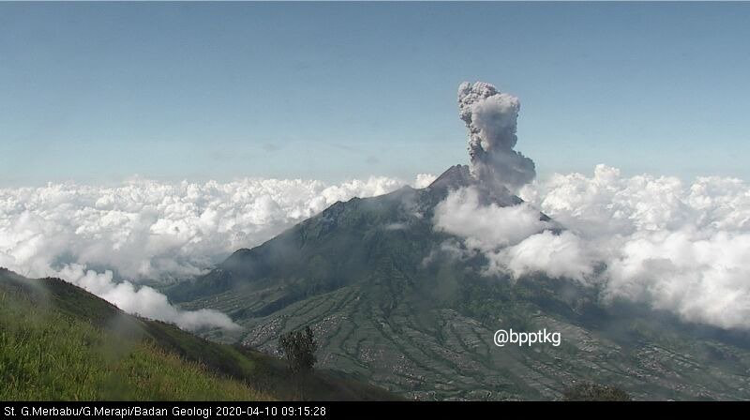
397, 303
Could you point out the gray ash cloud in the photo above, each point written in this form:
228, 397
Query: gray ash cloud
491, 117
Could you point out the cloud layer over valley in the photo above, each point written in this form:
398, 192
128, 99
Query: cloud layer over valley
676, 246
109, 239
681, 247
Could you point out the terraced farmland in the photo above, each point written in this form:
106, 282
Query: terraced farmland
389, 306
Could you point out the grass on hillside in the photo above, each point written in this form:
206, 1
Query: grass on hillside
48, 355
59, 342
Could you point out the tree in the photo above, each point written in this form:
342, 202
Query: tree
299, 349
592, 392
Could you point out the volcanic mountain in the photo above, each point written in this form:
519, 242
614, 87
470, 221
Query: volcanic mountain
407, 307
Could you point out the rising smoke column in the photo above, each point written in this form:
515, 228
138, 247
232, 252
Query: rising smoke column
491, 119
682, 248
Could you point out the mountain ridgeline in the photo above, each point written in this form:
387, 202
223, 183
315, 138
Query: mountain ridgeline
59, 342
391, 301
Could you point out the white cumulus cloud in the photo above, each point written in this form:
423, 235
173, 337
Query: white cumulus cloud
681, 247
424, 180
143, 300
108, 239
486, 227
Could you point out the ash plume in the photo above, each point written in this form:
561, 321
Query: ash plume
491, 118
683, 248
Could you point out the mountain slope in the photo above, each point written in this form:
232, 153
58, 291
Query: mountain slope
59, 342
390, 300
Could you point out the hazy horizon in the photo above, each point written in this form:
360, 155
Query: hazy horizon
99, 93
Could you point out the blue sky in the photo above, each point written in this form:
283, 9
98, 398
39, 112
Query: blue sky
99, 92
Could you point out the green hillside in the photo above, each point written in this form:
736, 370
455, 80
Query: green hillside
58, 342
389, 302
